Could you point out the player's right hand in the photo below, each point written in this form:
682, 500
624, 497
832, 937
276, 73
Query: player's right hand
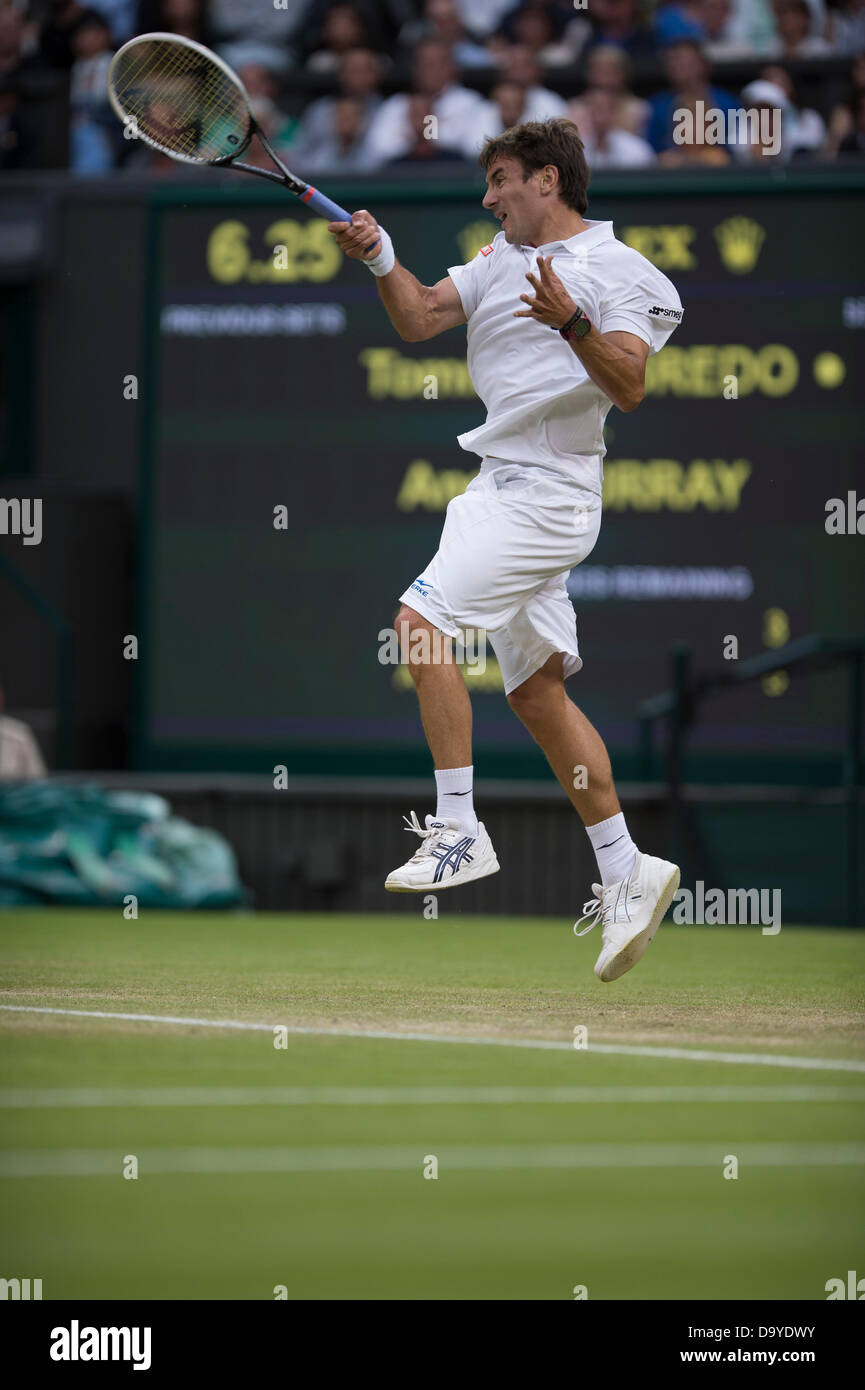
358, 239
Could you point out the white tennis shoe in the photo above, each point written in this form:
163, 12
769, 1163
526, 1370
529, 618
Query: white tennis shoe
630, 913
445, 858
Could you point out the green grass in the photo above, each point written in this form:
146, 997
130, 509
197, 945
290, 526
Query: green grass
534, 1195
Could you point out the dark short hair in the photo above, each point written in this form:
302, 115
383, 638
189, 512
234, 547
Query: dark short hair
538, 143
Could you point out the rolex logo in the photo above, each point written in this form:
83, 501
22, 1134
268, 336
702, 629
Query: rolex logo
739, 241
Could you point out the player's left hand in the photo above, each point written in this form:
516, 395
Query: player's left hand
552, 304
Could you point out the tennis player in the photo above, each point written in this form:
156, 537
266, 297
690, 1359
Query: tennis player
561, 319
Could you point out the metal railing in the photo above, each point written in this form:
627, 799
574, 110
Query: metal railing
681, 705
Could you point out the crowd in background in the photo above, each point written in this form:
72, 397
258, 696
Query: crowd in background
349, 87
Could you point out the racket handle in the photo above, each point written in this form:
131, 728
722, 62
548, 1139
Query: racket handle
319, 203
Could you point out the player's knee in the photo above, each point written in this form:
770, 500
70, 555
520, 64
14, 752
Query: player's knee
534, 703
407, 622
418, 639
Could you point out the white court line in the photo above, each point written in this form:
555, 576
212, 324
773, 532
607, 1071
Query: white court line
105, 1097
88, 1163
685, 1054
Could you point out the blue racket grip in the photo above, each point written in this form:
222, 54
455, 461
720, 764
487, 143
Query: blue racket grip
319, 203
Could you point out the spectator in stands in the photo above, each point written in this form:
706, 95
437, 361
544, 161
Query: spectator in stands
676, 21
360, 72
520, 65
441, 19
20, 758
184, 17
340, 147
539, 27
805, 130
609, 147
763, 138
854, 141
842, 120
279, 128
753, 24
721, 43
847, 28
93, 126
726, 29
343, 29
55, 37
693, 152
244, 32
483, 17
120, 17
609, 67
11, 41
380, 20
688, 75
16, 147
422, 147
511, 106
508, 98
795, 40
538, 23
619, 22
463, 116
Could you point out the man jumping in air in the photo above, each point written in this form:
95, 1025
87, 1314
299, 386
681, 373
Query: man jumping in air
547, 365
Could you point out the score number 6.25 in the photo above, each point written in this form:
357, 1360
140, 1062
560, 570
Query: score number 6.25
297, 251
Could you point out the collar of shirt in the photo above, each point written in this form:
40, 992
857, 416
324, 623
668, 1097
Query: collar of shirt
578, 243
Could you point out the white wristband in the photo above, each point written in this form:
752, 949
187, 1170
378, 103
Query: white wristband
384, 262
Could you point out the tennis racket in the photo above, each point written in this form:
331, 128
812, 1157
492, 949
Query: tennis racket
186, 102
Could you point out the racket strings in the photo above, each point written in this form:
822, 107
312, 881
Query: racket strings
180, 101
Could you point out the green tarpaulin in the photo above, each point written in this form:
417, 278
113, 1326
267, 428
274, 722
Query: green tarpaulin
84, 845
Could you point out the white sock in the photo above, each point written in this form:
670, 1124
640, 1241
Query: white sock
614, 849
455, 798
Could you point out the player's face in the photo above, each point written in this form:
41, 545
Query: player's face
514, 200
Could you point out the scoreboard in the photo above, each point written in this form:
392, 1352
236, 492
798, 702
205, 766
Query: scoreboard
299, 459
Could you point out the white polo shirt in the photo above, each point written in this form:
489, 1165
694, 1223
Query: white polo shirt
542, 406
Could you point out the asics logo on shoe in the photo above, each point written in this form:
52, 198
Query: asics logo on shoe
452, 856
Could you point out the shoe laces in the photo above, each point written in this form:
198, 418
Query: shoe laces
598, 908
604, 907
429, 836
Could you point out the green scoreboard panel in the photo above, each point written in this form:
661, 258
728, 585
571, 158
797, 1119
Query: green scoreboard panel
300, 457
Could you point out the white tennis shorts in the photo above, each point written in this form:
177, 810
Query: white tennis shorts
507, 547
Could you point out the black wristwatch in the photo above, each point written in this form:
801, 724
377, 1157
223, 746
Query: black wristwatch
577, 326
